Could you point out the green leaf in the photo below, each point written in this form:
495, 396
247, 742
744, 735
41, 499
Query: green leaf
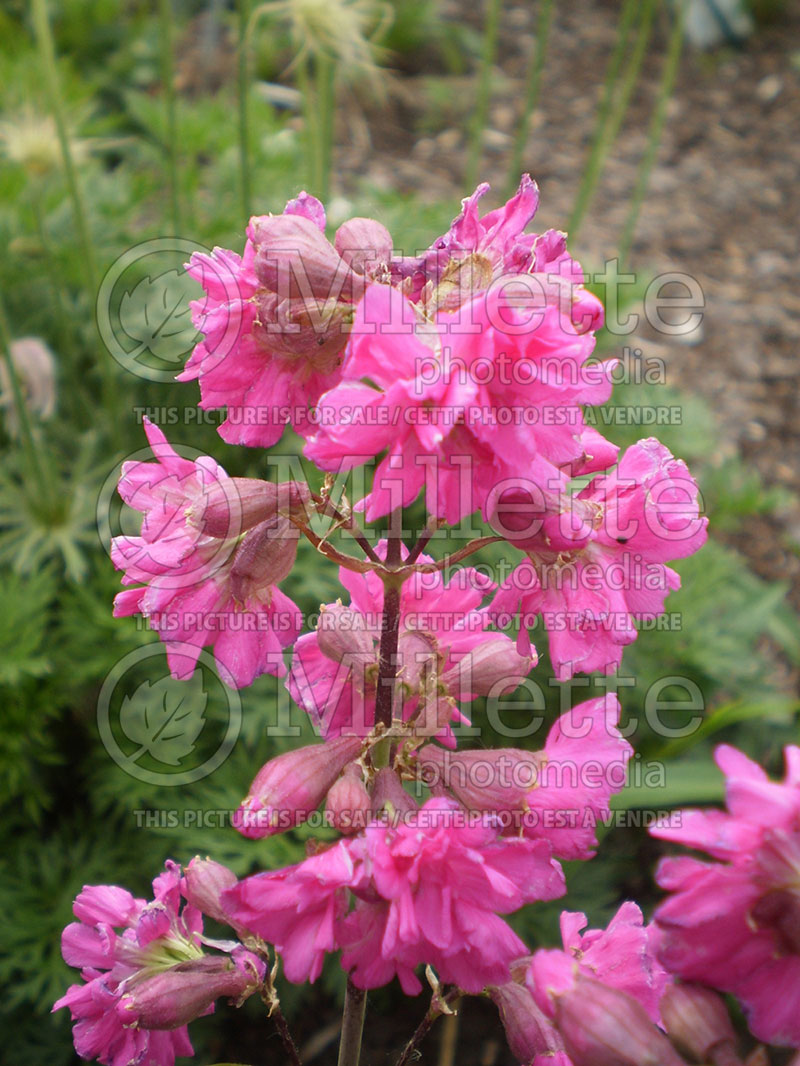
166, 718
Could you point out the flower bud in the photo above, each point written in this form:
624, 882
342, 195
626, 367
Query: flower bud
491, 780
364, 244
528, 1032
389, 795
417, 659
532, 518
492, 664
602, 1026
265, 557
203, 883
342, 634
184, 992
232, 506
295, 260
289, 788
349, 805
697, 1020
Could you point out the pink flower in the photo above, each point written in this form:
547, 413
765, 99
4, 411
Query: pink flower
144, 983
428, 890
558, 794
622, 956
197, 590
436, 885
445, 653
734, 924
459, 400
276, 319
597, 564
496, 245
299, 909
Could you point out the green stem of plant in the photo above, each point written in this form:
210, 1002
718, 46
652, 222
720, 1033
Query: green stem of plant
491, 25
243, 90
668, 77
47, 56
325, 72
614, 104
355, 1005
532, 88
168, 85
310, 122
26, 432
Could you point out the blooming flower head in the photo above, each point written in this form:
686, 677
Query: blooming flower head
558, 794
437, 883
145, 973
198, 590
445, 652
597, 563
275, 320
734, 924
470, 368
428, 891
623, 956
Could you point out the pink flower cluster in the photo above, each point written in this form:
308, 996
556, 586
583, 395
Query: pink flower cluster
145, 971
460, 376
427, 890
734, 923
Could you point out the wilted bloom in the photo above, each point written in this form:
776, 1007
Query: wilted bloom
622, 956
290, 787
35, 369
698, 1022
440, 652
558, 794
480, 250
625, 526
532, 1037
276, 320
145, 982
198, 590
31, 140
734, 924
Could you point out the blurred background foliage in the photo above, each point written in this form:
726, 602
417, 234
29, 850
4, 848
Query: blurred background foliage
183, 118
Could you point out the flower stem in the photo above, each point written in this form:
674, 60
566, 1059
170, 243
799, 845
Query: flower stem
390, 630
243, 87
168, 81
355, 1005
481, 112
531, 93
47, 56
437, 1008
614, 106
668, 76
